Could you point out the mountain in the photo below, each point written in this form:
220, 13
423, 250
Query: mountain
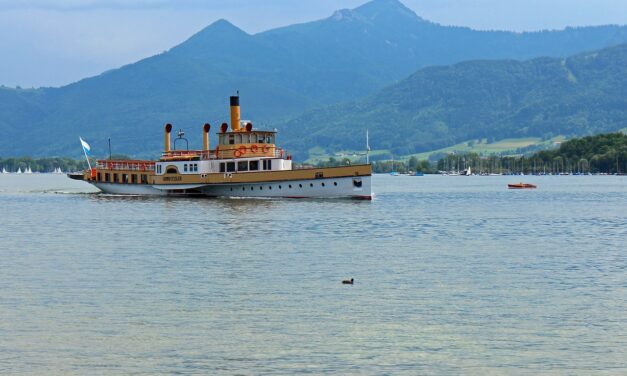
442, 106
281, 73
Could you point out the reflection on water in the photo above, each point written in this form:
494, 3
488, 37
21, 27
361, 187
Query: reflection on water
452, 275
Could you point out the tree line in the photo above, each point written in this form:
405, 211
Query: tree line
604, 153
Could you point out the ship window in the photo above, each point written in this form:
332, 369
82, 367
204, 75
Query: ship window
357, 182
231, 139
260, 188
115, 178
335, 183
270, 187
144, 179
290, 186
222, 167
254, 165
280, 187
171, 170
270, 140
230, 166
125, 178
251, 188
195, 167
242, 166
260, 139
311, 185
300, 185
238, 138
322, 184
99, 176
107, 177
267, 164
134, 179
185, 167
243, 188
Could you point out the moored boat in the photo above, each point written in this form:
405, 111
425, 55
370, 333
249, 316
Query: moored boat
245, 163
521, 186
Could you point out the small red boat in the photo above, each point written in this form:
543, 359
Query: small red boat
521, 186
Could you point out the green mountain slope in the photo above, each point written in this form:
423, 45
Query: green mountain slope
442, 106
280, 73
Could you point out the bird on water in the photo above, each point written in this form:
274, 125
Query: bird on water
348, 281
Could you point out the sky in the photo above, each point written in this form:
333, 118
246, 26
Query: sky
56, 42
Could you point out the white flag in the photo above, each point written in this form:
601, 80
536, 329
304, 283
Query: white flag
86, 146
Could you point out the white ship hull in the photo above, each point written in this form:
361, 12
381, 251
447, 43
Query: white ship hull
343, 187
308, 188
129, 189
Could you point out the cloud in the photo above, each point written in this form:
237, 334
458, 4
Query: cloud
82, 5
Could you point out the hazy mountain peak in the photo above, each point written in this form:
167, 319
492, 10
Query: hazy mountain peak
222, 25
385, 8
219, 32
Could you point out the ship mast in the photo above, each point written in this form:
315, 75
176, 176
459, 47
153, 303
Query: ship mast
367, 148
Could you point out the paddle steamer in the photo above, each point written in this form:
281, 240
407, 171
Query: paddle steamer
245, 163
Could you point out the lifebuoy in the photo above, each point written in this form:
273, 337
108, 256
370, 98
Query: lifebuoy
254, 148
237, 154
266, 148
242, 150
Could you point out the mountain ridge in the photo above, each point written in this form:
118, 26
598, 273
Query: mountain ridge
442, 106
281, 73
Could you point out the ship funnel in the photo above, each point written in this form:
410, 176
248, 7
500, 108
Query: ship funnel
166, 140
235, 114
205, 137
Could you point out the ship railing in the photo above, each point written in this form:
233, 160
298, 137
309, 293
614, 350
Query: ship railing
130, 165
278, 152
188, 154
211, 154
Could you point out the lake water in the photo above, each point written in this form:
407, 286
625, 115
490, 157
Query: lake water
453, 275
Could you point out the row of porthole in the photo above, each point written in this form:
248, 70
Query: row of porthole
281, 187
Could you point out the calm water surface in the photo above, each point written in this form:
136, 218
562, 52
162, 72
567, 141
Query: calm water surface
453, 275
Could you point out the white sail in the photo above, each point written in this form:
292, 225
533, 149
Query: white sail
19, 170
28, 170
4, 170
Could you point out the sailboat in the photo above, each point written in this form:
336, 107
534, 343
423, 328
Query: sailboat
4, 170
393, 172
57, 171
28, 170
19, 170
